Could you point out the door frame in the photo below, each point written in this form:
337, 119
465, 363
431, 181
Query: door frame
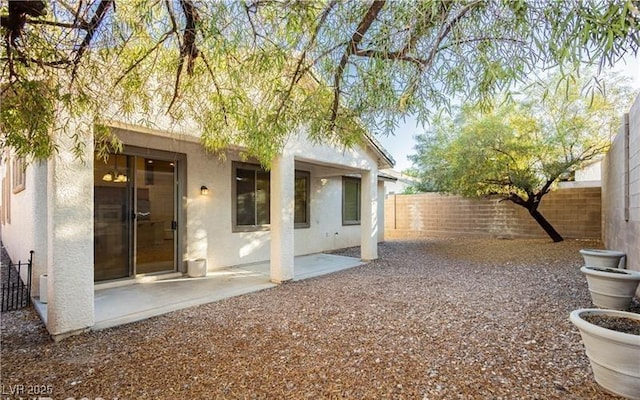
180, 192
180, 160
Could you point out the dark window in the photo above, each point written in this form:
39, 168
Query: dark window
302, 199
350, 201
252, 196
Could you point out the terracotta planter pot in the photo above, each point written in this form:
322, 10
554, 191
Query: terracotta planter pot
611, 287
614, 356
603, 258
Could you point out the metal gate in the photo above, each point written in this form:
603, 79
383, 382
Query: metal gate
15, 293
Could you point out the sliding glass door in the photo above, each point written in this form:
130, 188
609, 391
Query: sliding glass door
112, 218
134, 216
155, 216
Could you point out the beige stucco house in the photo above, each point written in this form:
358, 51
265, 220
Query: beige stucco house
164, 201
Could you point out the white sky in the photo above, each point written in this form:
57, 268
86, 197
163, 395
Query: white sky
401, 143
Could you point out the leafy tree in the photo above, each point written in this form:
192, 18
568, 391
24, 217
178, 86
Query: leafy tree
519, 150
251, 72
420, 186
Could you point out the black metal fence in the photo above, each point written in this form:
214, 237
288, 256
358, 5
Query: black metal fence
15, 293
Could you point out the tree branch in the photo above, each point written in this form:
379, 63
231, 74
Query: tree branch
248, 9
496, 149
12, 71
513, 197
352, 46
174, 23
96, 20
217, 87
422, 63
391, 55
188, 50
82, 25
545, 188
54, 64
300, 71
482, 39
131, 67
446, 28
75, 13
424, 22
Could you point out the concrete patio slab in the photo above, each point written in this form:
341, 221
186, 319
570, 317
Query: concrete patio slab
306, 267
134, 302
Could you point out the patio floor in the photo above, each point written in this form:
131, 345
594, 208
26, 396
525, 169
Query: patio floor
124, 304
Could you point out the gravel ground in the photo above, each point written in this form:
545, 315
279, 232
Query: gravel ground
431, 319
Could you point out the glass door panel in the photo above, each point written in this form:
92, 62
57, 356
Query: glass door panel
155, 216
112, 218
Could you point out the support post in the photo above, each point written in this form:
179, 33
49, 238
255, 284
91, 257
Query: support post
369, 214
282, 217
70, 287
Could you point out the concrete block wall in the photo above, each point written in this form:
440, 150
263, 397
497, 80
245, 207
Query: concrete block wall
575, 213
621, 190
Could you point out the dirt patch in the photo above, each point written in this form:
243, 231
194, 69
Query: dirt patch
619, 324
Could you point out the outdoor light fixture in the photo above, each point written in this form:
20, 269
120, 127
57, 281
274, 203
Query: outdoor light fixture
204, 190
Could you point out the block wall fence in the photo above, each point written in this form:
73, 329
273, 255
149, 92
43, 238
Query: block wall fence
574, 212
621, 190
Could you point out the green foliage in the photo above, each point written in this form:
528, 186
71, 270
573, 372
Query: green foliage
26, 118
421, 187
253, 73
519, 148
411, 190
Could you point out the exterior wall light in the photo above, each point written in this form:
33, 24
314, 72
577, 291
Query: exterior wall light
204, 190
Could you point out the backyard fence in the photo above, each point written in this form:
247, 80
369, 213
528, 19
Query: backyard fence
574, 212
15, 293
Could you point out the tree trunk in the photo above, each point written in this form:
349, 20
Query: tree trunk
553, 234
531, 204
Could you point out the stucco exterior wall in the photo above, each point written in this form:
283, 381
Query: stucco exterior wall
591, 173
17, 235
575, 213
209, 232
26, 227
54, 215
621, 190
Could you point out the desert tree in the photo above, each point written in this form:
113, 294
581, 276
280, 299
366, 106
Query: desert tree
519, 150
252, 72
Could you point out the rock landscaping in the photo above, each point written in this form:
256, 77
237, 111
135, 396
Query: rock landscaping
430, 319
